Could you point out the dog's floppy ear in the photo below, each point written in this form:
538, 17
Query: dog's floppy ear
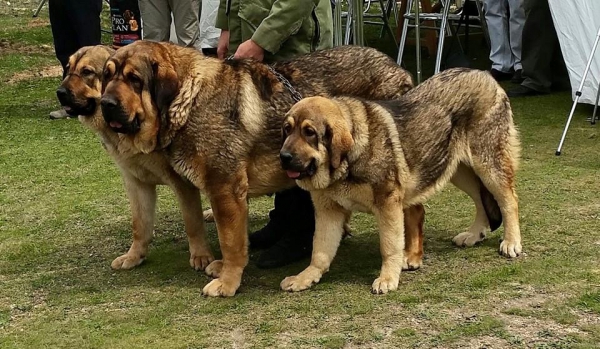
339, 138
165, 85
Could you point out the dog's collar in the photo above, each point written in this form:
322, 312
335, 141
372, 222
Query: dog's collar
296, 96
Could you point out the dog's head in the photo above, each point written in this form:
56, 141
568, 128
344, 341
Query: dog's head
316, 140
81, 90
140, 82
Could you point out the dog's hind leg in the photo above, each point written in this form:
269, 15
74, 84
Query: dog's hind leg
466, 180
413, 237
502, 188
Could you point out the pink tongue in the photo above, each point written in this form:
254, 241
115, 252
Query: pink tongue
293, 174
115, 124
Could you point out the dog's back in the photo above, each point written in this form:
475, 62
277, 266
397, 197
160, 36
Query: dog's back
347, 71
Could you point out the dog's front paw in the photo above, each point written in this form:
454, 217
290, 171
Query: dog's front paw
383, 285
214, 269
468, 239
199, 261
302, 281
127, 261
219, 288
510, 248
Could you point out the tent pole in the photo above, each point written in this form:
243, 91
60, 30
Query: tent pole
578, 94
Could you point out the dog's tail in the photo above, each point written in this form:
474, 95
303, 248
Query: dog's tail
491, 207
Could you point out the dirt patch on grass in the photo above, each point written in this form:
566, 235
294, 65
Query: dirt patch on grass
38, 22
44, 72
7, 47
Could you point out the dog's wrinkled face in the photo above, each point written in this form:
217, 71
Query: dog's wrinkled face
80, 91
140, 83
316, 139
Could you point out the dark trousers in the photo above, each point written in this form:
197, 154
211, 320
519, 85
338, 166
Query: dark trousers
75, 24
294, 213
541, 56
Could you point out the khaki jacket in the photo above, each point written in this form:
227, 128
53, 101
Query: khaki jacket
283, 28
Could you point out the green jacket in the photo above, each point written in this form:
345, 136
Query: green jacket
283, 28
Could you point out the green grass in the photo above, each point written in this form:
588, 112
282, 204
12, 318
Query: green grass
64, 216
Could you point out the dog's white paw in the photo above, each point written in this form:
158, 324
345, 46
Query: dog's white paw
468, 239
510, 248
200, 261
218, 288
383, 285
299, 282
127, 261
214, 269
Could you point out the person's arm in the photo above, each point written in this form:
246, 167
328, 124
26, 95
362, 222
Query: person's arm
285, 18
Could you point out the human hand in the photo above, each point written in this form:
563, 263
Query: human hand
250, 49
223, 45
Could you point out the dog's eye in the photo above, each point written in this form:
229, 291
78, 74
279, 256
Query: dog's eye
87, 71
309, 132
287, 128
135, 80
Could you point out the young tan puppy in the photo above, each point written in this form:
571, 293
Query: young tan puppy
383, 157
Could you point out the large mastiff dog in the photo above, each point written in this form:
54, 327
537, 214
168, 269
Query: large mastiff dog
80, 94
219, 122
382, 157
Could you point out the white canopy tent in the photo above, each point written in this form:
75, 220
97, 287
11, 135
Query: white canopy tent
577, 23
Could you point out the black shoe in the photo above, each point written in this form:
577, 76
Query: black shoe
292, 247
522, 91
517, 77
265, 237
500, 76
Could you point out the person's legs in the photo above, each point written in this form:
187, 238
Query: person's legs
85, 18
291, 228
497, 22
186, 14
539, 40
63, 33
156, 19
516, 23
74, 24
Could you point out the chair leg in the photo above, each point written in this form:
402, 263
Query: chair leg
409, 4
386, 22
349, 19
596, 106
440, 47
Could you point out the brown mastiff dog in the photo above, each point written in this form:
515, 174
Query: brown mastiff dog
80, 94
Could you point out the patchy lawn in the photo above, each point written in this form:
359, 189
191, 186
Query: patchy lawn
64, 217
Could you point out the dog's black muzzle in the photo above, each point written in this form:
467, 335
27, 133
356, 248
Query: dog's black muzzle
115, 117
72, 106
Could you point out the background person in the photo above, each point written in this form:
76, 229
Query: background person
74, 24
158, 14
269, 31
505, 20
543, 63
